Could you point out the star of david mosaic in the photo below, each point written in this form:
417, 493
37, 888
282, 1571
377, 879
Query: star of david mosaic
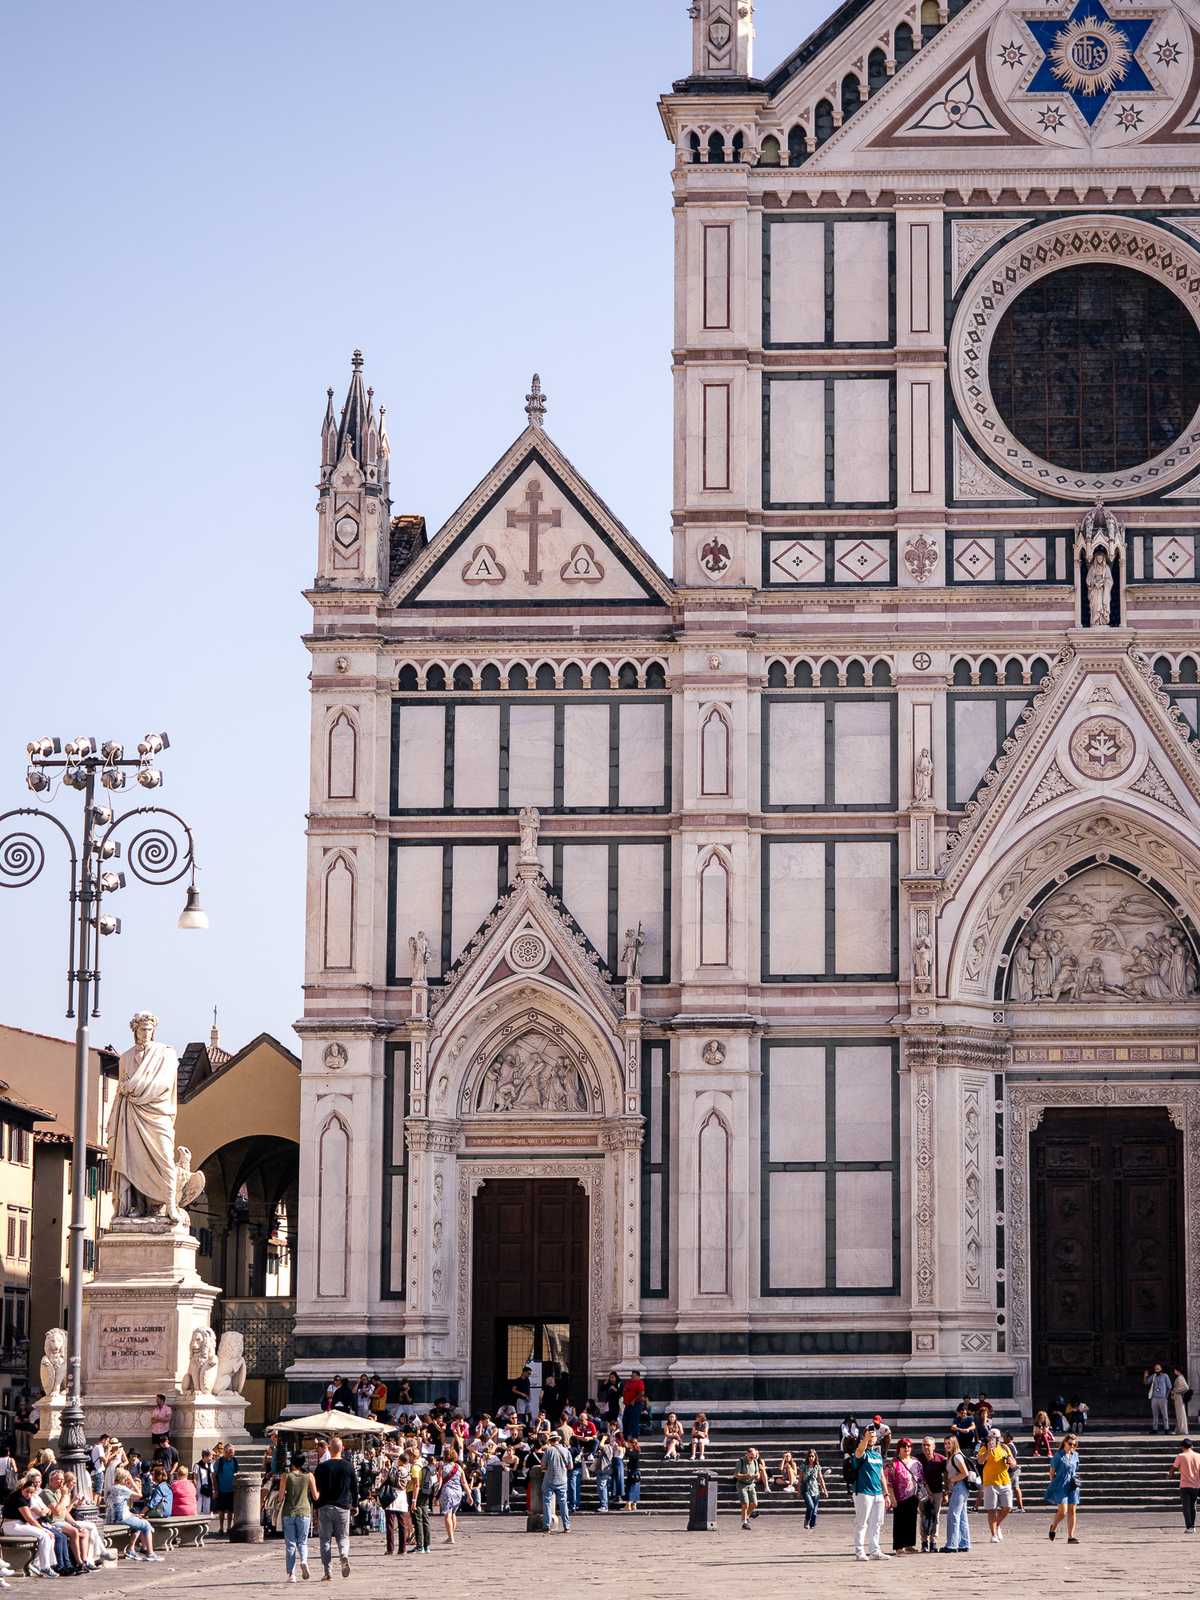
1089, 56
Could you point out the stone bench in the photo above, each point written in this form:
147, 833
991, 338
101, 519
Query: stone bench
19, 1549
179, 1533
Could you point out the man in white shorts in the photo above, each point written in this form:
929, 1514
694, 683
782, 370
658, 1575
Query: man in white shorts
996, 1462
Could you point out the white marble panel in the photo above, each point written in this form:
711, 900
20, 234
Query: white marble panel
717, 403
863, 907
864, 1230
863, 1096
796, 753
585, 890
716, 275
339, 915
398, 1240
862, 761
861, 290
797, 282
640, 899
477, 756
419, 903
798, 1103
585, 756
796, 1209
861, 439
333, 1194
714, 912
343, 758
798, 441
642, 756
531, 756
474, 892
421, 757
797, 891
974, 744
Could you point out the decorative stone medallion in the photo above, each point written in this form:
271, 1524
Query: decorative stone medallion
1101, 747
715, 558
714, 1053
527, 952
920, 557
335, 1057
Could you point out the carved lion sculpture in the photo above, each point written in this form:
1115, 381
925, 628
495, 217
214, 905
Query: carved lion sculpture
54, 1364
189, 1185
202, 1362
231, 1364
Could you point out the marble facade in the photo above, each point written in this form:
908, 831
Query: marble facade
912, 840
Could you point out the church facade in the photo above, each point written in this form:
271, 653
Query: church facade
783, 974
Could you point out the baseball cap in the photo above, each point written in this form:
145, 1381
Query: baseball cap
876, 1419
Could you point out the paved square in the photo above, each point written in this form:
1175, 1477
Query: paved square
652, 1556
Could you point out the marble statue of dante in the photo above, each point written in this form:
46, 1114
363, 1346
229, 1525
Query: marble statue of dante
141, 1127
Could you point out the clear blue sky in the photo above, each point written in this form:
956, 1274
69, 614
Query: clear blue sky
208, 206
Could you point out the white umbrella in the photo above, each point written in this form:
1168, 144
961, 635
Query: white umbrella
333, 1422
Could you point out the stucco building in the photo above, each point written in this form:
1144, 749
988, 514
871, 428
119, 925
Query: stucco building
894, 1091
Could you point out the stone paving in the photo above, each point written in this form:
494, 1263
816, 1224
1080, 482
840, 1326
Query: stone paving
652, 1556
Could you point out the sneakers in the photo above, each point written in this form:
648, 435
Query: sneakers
291, 1577
995, 1538
860, 1558
156, 1558
1053, 1531
880, 1555
304, 1570
345, 1566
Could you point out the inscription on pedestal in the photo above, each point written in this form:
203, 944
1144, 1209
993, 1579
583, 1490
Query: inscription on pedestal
131, 1344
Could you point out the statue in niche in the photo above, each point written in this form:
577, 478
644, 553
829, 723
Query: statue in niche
923, 778
1104, 939
1099, 550
922, 965
532, 1074
631, 954
418, 949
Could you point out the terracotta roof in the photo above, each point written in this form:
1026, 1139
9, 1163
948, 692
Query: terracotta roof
14, 1100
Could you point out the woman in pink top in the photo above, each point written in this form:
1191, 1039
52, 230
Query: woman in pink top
183, 1493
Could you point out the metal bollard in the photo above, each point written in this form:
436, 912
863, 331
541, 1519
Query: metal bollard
247, 1509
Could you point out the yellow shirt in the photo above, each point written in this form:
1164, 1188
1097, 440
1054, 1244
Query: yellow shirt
995, 1467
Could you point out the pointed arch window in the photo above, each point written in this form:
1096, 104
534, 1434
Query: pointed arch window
714, 910
342, 759
338, 942
714, 753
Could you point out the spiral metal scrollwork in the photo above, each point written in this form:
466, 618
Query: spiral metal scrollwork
21, 859
162, 851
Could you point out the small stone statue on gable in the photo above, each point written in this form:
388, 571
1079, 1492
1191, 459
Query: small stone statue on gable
631, 955
418, 949
529, 821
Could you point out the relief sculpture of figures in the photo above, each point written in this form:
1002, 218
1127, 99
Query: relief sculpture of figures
532, 1075
141, 1127
1103, 937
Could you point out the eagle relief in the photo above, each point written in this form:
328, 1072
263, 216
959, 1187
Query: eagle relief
532, 1074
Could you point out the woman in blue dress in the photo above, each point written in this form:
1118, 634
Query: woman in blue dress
1064, 1486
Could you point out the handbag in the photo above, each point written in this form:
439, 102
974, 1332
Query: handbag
386, 1495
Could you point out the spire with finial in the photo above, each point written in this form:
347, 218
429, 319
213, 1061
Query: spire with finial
353, 423
535, 403
214, 1033
328, 433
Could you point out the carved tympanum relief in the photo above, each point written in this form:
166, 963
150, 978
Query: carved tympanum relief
1103, 936
532, 1073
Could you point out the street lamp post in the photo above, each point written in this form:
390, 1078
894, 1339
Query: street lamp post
160, 852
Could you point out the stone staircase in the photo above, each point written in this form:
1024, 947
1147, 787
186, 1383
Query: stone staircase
1118, 1472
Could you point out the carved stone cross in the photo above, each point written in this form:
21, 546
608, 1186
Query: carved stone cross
536, 521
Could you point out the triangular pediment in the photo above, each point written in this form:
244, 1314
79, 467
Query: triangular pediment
533, 533
529, 935
1100, 729
1069, 85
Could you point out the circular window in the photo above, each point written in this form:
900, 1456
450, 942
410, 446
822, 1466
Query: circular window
1096, 367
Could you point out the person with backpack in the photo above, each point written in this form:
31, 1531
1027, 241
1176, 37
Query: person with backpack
959, 1481
871, 1497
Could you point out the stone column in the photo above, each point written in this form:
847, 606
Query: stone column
432, 1145
623, 1141
247, 1509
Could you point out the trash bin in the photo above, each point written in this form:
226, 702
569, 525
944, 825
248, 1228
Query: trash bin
702, 1506
496, 1487
533, 1515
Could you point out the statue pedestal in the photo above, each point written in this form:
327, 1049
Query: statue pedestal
49, 1424
140, 1312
